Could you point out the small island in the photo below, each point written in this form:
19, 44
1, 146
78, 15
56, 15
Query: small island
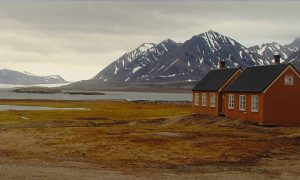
46, 90
38, 90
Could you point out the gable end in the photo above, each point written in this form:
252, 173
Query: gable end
287, 68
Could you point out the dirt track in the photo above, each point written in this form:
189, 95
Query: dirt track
286, 167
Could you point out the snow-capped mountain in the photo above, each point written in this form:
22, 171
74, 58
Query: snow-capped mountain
24, 78
294, 59
131, 65
182, 63
266, 51
120, 64
169, 61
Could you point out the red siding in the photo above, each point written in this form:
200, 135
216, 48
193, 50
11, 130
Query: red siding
282, 102
247, 114
199, 109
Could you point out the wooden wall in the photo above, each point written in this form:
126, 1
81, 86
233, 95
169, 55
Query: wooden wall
282, 102
213, 111
247, 114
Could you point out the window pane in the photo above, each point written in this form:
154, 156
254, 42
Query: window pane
212, 100
203, 99
230, 101
288, 80
242, 103
196, 99
254, 103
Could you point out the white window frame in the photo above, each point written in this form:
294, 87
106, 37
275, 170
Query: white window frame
254, 103
196, 99
204, 99
288, 80
212, 100
242, 104
230, 101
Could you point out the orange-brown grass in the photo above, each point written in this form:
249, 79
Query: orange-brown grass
119, 134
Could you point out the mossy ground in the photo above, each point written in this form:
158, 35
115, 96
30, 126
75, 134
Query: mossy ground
129, 135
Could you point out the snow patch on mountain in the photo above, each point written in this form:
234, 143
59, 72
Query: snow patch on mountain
136, 69
294, 59
265, 52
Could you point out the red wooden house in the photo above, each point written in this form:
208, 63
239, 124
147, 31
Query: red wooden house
208, 93
268, 95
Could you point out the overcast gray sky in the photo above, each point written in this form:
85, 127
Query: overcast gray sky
77, 39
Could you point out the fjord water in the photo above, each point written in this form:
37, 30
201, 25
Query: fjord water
37, 108
109, 95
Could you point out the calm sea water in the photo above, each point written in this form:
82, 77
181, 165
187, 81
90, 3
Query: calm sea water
5, 94
38, 108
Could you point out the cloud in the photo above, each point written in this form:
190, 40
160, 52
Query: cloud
79, 38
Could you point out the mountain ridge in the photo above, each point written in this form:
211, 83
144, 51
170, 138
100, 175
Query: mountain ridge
170, 62
169, 59
8, 76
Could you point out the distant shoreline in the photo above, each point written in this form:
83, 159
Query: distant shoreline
52, 90
68, 95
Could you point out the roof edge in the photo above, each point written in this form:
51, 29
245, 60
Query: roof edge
227, 81
292, 65
226, 68
285, 69
244, 92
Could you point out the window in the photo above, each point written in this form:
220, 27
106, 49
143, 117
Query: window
196, 99
242, 102
254, 103
212, 100
288, 80
203, 99
230, 101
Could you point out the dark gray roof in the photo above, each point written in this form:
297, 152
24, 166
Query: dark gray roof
215, 79
257, 78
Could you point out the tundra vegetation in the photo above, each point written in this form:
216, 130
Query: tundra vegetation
141, 138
